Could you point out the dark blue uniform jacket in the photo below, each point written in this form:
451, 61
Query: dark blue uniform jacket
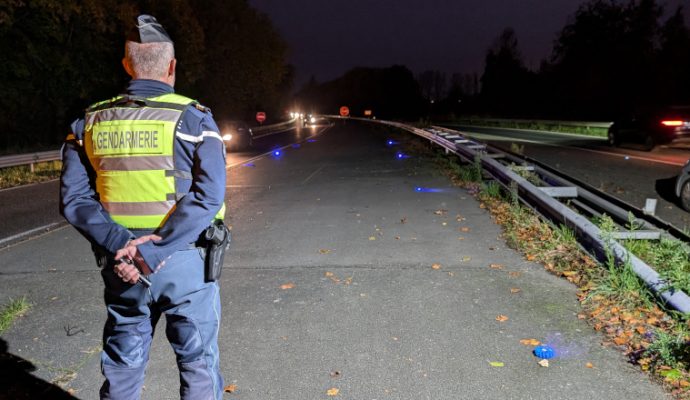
199, 149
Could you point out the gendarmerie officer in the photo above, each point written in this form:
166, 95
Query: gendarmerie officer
143, 178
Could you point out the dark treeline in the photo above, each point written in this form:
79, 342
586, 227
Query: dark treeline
611, 58
390, 92
59, 56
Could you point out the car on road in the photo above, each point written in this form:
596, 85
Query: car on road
683, 187
651, 126
237, 135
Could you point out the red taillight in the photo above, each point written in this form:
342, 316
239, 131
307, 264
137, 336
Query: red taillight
672, 123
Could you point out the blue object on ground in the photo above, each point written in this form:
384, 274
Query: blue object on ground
544, 351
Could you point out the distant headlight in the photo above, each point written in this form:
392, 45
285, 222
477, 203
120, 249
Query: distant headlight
227, 137
312, 120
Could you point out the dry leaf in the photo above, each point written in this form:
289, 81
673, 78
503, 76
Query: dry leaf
287, 286
589, 365
464, 229
451, 274
641, 330
230, 388
530, 342
466, 258
514, 274
531, 257
568, 273
333, 391
515, 290
461, 238
328, 274
324, 251
501, 318
397, 238
620, 340
581, 316
544, 363
436, 266
440, 212
372, 237
496, 266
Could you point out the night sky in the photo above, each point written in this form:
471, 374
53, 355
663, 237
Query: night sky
327, 38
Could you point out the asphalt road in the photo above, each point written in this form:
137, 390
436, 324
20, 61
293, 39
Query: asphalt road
330, 285
628, 173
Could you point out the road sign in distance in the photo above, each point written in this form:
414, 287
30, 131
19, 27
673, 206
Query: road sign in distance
344, 111
260, 117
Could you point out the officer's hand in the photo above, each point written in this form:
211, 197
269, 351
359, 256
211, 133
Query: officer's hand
127, 272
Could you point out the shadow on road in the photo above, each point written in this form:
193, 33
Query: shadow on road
666, 189
17, 383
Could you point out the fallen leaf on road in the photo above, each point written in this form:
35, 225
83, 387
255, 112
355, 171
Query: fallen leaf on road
372, 237
501, 318
464, 229
230, 388
333, 392
496, 266
530, 342
436, 266
514, 274
589, 365
466, 258
451, 274
403, 220
440, 212
496, 364
531, 257
544, 363
515, 290
335, 374
287, 286
461, 238
324, 251
397, 238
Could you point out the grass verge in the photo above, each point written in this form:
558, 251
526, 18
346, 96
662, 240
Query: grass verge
13, 310
537, 126
22, 175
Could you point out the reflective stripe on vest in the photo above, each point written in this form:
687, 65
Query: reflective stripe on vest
130, 144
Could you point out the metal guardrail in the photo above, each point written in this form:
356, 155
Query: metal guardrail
29, 159
544, 200
32, 159
580, 124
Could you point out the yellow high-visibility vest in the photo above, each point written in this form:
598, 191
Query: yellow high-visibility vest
130, 143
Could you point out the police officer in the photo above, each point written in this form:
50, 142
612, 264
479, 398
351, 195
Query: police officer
143, 176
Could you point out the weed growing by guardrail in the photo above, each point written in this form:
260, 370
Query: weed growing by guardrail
22, 175
13, 310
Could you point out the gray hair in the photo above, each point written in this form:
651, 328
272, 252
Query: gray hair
149, 60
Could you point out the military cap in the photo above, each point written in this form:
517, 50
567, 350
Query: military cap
148, 30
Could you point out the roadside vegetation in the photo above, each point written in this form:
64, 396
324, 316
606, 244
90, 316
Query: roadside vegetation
11, 311
614, 300
536, 125
22, 175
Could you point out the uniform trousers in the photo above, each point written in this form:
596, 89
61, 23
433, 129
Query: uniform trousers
192, 312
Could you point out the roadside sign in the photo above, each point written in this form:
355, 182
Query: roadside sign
367, 113
344, 111
261, 117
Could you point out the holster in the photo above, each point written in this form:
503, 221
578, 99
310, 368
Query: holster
217, 238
